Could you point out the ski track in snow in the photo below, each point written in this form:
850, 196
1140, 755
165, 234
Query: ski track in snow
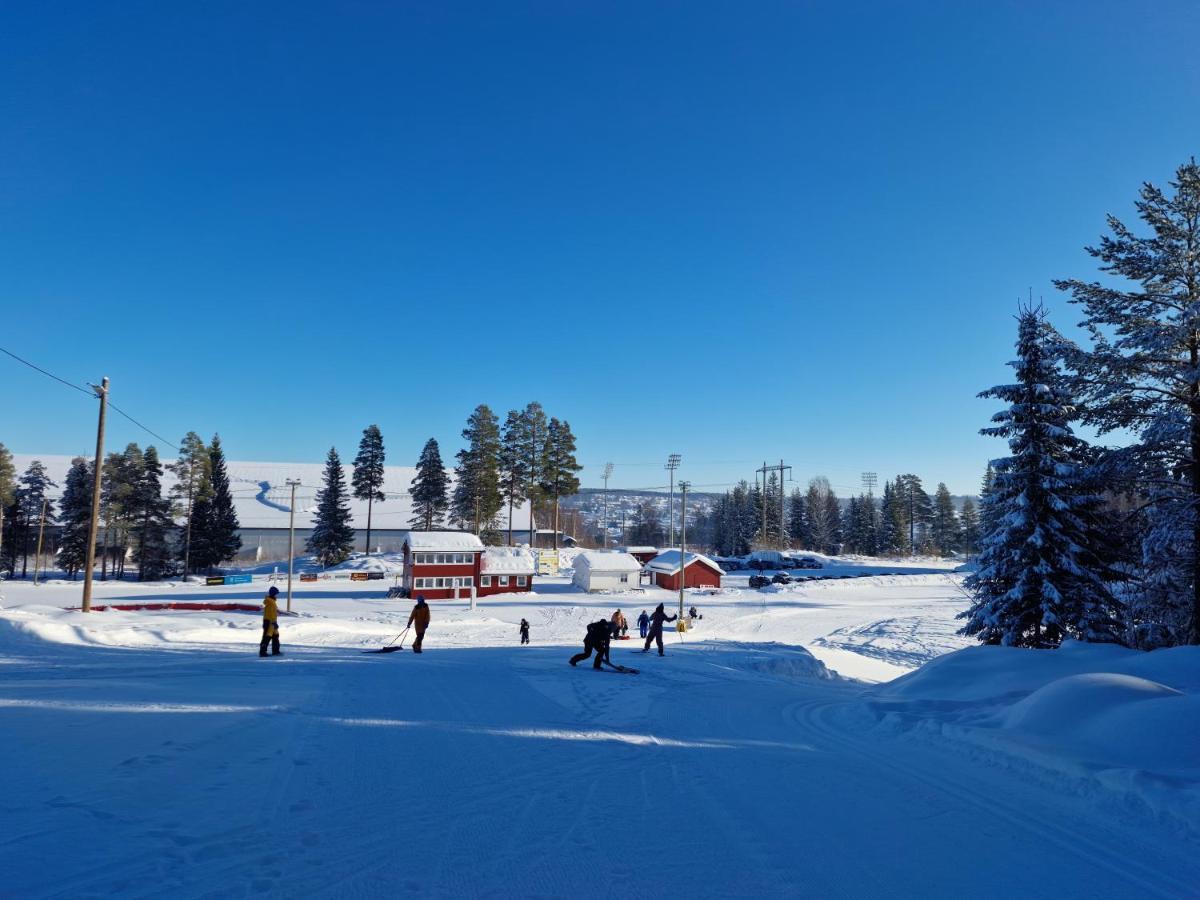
146, 760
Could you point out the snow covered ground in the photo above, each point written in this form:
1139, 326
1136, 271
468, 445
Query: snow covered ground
152, 753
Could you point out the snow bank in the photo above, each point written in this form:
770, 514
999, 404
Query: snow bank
1108, 717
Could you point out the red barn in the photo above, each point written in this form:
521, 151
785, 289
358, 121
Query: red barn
441, 565
506, 570
699, 570
641, 554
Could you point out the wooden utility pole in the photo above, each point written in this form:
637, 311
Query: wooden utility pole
608, 467
187, 537
37, 560
292, 483
94, 522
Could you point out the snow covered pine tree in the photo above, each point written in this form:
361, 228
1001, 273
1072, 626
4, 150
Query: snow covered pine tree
1040, 579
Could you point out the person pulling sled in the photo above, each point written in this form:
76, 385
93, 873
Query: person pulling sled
419, 618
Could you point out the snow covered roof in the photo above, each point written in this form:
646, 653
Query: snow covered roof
444, 540
667, 562
508, 561
601, 561
637, 549
261, 495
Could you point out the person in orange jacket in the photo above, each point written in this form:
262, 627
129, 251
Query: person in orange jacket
420, 619
270, 634
617, 624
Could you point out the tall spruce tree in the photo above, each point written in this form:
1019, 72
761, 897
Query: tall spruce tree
192, 475
1142, 373
968, 534
560, 469
797, 525
514, 466
152, 519
429, 489
916, 511
8, 489
32, 500
892, 539
215, 538
368, 474
332, 538
75, 513
1040, 578
944, 527
476, 498
533, 437
824, 516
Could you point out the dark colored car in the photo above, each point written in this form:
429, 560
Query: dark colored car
759, 581
782, 578
807, 562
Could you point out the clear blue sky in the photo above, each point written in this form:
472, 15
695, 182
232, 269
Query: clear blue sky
735, 231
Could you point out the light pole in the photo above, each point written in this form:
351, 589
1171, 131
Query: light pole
608, 467
671, 466
683, 489
293, 483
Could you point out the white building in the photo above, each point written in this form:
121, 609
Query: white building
600, 571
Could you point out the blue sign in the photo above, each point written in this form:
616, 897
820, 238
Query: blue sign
237, 579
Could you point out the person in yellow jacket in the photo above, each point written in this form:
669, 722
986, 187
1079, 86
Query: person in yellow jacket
419, 618
270, 623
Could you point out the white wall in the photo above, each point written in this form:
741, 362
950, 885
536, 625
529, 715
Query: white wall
604, 581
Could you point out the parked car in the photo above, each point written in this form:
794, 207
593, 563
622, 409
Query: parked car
731, 565
759, 581
759, 565
782, 578
807, 562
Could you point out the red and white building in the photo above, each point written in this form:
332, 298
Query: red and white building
642, 554
698, 570
450, 565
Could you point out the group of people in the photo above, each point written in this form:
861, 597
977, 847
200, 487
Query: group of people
598, 639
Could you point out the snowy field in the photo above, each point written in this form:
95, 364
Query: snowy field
787, 746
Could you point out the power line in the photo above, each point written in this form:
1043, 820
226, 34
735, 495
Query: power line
47, 374
116, 409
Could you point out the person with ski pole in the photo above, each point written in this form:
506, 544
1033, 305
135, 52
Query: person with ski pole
596, 640
524, 632
270, 632
419, 618
656, 626
643, 623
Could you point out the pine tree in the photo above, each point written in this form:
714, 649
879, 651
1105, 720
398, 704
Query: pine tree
368, 473
893, 538
215, 538
916, 511
428, 490
1040, 580
152, 519
75, 514
1141, 374
122, 473
797, 525
987, 522
868, 524
332, 538
824, 516
944, 528
477, 498
192, 475
8, 489
560, 469
30, 493
647, 528
968, 533
533, 439
514, 467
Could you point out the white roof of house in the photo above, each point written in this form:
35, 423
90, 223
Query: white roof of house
508, 561
637, 549
667, 562
261, 496
444, 540
600, 561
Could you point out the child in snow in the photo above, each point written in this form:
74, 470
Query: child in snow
597, 640
420, 616
270, 634
643, 623
656, 627
524, 632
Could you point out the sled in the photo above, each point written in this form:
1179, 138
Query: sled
624, 670
392, 646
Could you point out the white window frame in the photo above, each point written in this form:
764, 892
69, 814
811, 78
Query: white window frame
503, 581
485, 580
624, 578
522, 580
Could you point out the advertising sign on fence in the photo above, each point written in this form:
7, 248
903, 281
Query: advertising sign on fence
374, 576
359, 576
238, 579
214, 579
308, 576
547, 562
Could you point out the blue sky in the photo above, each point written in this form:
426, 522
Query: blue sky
734, 231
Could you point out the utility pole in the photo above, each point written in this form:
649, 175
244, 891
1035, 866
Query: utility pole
683, 488
187, 536
293, 483
94, 523
781, 469
671, 466
37, 560
608, 467
869, 480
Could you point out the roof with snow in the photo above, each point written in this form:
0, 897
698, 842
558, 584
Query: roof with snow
508, 561
667, 562
444, 540
261, 496
600, 561
637, 549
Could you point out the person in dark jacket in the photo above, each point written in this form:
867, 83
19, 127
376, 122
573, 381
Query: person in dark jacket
270, 633
596, 640
420, 618
524, 632
656, 627
643, 623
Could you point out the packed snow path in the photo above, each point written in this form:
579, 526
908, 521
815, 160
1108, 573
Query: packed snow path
500, 771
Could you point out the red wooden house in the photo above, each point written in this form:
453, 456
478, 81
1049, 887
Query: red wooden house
641, 554
441, 565
698, 570
506, 570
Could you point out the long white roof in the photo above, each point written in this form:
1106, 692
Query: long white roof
261, 495
508, 561
444, 540
599, 561
667, 562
